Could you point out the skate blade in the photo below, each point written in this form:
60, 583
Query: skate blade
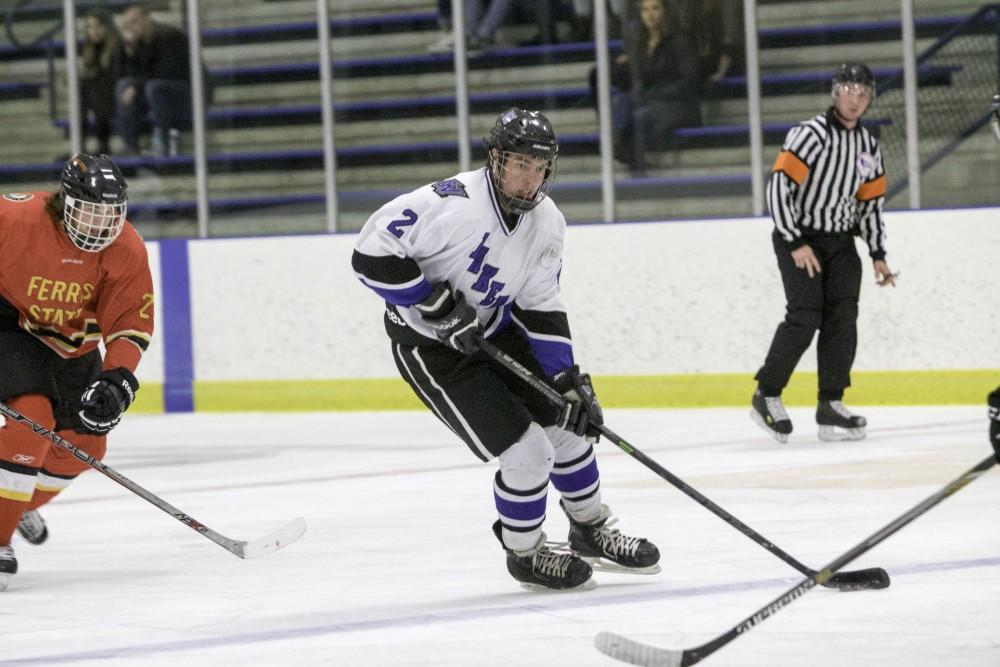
834, 434
603, 565
588, 585
4, 579
759, 421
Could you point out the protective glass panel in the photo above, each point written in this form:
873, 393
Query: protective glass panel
958, 72
678, 109
264, 138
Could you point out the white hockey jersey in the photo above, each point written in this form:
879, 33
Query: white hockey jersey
454, 231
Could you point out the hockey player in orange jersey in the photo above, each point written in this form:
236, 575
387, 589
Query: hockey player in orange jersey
73, 272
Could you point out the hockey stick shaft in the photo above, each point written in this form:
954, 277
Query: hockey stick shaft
875, 578
240, 548
641, 654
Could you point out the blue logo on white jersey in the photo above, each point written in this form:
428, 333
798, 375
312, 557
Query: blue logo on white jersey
485, 283
451, 187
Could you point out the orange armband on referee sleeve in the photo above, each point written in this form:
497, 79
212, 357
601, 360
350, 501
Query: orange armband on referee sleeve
794, 167
871, 189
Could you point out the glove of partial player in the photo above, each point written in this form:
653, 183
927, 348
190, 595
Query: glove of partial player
451, 317
106, 399
996, 115
582, 413
994, 403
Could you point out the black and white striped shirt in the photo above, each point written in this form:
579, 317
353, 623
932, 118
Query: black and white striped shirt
828, 179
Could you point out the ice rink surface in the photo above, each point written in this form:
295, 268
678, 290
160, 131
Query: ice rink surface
399, 566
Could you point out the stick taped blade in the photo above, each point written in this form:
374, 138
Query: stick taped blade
284, 536
636, 653
873, 578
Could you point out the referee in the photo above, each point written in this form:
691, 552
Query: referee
827, 186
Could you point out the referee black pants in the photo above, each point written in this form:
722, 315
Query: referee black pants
827, 302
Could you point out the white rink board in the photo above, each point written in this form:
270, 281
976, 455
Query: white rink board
649, 298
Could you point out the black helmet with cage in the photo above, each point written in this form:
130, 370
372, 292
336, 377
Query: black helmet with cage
854, 73
521, 132
95, 201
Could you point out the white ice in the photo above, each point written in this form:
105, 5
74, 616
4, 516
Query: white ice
399, 566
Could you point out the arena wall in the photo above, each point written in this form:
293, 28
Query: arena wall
663, 314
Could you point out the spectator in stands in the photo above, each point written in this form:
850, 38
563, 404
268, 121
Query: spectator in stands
445, 42
483, 18
717, 29
101, 42
154, 82
655, 86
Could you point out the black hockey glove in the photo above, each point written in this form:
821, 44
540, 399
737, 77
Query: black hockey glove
452, 318
582, 411
106, 399
996, 115
994, 403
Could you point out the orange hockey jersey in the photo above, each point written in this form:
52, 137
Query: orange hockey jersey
71, 299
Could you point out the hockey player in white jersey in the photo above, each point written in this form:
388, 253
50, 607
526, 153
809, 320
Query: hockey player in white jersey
480, 254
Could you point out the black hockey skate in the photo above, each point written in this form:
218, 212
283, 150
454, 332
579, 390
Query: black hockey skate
768, 412
8, 566
607, 550
32, 528
836, 422
542, 569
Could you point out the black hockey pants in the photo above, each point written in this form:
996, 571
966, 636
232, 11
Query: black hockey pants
827, 302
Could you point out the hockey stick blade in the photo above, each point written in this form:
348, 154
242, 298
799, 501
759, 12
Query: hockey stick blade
265, 545
870, 579
636, 653
282, 537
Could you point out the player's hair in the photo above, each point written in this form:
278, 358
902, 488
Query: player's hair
54, 204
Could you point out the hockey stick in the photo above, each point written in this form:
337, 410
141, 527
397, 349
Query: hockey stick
855, 580
636, 653
285, 535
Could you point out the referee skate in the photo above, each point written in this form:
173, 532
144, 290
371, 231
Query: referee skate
836, 422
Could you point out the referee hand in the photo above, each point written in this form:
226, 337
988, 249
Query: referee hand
883, 274
806, 259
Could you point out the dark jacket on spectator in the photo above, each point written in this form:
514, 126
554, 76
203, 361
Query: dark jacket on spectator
165, 56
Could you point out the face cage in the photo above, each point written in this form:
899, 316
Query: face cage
512, 203
92, 227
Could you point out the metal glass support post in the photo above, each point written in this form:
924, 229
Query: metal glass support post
753, 107
604, 111
72, 77
326, 102
910, 98
461, 85
198, 116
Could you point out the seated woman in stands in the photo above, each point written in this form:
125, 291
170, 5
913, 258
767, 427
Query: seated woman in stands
97, 78
655, 86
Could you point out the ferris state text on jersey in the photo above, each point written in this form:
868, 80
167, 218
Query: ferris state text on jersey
56, 288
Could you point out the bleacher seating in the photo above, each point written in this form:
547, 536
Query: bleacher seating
266, 121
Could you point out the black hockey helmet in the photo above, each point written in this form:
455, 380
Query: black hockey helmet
527, 133
95, 201
854, 73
